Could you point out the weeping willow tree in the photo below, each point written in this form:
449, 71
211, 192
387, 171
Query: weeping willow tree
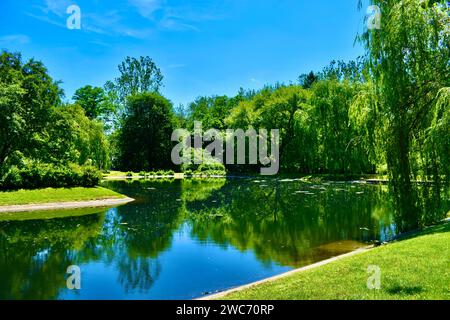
409, 60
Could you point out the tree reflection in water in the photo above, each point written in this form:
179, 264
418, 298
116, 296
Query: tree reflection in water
280, 221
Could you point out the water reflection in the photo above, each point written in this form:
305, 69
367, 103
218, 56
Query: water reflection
183, 238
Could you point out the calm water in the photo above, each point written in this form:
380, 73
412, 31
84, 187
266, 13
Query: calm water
182, 239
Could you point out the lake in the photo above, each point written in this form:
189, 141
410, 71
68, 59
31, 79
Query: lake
183, 239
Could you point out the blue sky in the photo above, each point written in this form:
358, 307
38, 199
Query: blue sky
203, 47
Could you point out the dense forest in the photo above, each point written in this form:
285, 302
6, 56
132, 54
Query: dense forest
385, 113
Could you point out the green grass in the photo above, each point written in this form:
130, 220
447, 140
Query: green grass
415, 268
50, 214
37, 196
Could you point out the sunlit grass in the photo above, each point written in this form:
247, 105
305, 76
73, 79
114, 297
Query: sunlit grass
417, 268
48, 195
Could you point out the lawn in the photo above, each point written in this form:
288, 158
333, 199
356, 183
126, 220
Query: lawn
415, 268
48, 195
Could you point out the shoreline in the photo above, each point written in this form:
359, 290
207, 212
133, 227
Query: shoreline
226, 292
65, 205
399, 238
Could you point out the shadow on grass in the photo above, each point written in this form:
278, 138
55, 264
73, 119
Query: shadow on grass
438, 228
404, 290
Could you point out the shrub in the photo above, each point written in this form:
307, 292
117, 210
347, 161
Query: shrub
12, 178
211, 169
90, 176
38, 175
143, 174
212, 166
129, 174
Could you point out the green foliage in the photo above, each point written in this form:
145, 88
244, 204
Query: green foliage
37, 175
41, 140
144, 139
409, 59
92, 100
143, 174
200, 160
317, 118
211, 111
307, 80
214, 166
27, 99
136, 76
76, 139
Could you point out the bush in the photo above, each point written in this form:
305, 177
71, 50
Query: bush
38, 175
143, 174
213, 166
129, 174
211, 169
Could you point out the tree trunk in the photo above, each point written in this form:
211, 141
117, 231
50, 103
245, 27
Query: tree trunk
407, 215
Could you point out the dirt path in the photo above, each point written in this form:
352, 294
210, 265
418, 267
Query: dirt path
65, 205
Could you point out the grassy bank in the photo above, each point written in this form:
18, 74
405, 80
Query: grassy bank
38, 196
415, 268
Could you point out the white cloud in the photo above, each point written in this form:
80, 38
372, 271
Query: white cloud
173, 17
14, 39
161, 15
147, 8
57, 7
174, 24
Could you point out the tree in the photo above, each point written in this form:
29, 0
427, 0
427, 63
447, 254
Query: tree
409, 60
11, 118
136, 76
28, 96
77, 139
211, 111
144, 139
307, 80
91, 99
36, 128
